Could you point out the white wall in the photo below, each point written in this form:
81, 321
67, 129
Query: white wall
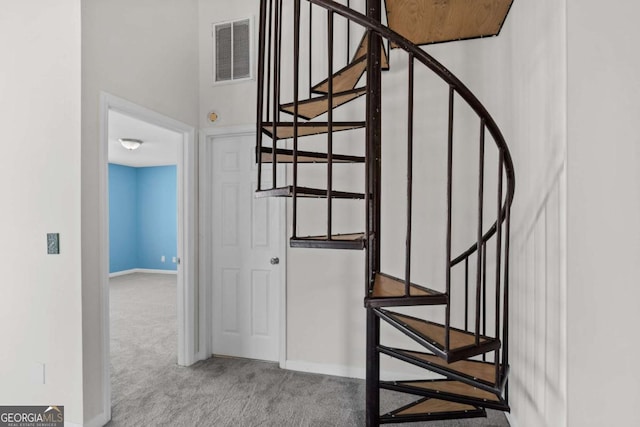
604, 213
520, 76
146, 52
40, 310
234, 103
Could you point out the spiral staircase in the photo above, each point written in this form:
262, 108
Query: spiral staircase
463, 347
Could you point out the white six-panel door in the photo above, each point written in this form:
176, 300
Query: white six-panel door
246, 242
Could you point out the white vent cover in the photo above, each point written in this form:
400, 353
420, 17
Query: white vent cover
232, 51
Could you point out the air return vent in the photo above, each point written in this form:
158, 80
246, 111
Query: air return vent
232, 51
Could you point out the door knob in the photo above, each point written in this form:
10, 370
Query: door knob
275, 260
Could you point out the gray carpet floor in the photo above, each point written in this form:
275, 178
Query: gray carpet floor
150, 389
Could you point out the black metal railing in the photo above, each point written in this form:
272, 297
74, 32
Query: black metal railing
269, 94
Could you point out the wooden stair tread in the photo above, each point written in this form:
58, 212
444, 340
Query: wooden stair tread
286, 156
311, 108
432, 409
484, 371
462, 344
348, 77
449, 390
337, 241
436, 332
435, 21
285, 130
352, 236
389, 291
387, 286
287, 191
363, 48
345, 79
453, 388
435, 406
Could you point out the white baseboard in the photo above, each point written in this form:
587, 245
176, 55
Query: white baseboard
349, 371
70, 424
511, 419
325, 369
141, 270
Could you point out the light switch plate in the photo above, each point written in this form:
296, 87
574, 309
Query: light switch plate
53, 243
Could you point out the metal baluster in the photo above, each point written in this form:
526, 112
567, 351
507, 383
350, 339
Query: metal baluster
505, 315
269, 41
276, 89
296, 83
260, 100
407, 280
310, 48
348, 34
499, 250
479, 242
466, 294
484, 294
447, 326
330, 124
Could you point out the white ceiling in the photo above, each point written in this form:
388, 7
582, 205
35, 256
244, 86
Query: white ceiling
160, 146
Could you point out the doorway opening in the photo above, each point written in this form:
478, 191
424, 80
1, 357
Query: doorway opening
148, 229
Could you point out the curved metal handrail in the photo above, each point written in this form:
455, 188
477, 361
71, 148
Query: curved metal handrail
460, 88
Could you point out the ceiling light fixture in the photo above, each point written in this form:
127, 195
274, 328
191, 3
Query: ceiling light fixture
130, 143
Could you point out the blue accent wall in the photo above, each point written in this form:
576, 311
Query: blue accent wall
157, 217
142, 217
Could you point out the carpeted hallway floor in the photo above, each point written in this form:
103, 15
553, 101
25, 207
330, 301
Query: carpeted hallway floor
149, 389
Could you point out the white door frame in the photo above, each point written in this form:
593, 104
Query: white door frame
190, 348
209, 136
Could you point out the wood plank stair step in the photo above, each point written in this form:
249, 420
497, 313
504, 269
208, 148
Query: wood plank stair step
437, 21
311, 108
462, 344
390, 291
430, 409
284, 130
473, 372
287, 191
286, 156
449, 390
348, 77
354, 241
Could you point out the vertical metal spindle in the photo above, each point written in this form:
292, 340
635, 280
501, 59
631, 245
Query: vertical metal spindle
269, 41
484, 293
466, 294
480, 220
505, 315
330, 124
499, 248
310, 47
348, 34
276, 90
296, 83
407, 279
260, 95
447, 326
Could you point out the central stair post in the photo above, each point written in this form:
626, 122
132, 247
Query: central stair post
374, 149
